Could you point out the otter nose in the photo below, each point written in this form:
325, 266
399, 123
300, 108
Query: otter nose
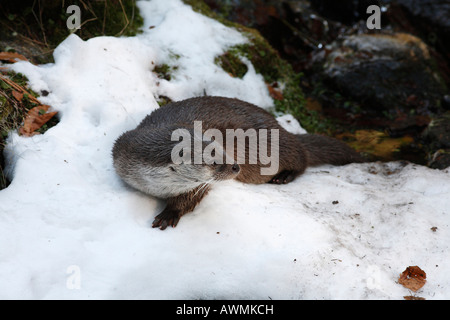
235, 168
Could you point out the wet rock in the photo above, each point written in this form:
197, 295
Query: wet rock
428, 19
387, 74
437, 138
440, 159
438, 131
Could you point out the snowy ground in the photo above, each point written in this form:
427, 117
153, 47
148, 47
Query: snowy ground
70, 229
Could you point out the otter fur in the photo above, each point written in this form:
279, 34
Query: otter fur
143, 157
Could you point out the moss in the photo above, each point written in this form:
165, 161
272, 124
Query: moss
163, 71
232, 64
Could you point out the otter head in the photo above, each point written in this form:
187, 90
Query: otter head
203, 162
150, 160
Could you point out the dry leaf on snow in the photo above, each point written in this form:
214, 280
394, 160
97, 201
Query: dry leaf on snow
275, 93
35, 119
11, 57
413, 298
413, 278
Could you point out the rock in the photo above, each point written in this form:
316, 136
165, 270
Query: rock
437, 138
438, 131
387, 74
428, 19
344, 11
440, 159
446, 102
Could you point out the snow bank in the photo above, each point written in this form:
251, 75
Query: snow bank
70, 229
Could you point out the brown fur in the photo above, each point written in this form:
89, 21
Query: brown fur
152, 143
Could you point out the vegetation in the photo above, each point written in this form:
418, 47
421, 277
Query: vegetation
34, 28
282, 81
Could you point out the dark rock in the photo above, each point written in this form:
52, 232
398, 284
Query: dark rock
440, 159
344, 11
388, 74
438, 132
446, 102
437, 138
428, 19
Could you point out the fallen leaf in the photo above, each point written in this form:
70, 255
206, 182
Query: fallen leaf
413, 298
275, 93
18, 95
11, 57
35, 119
413, 278
19, 89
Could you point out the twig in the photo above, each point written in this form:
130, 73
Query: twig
39, 20
126, 18
19, 88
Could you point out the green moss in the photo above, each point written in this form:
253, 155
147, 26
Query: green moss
232, 64
163, 71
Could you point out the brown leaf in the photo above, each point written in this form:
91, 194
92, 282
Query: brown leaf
35, 119
413, 298
18, 95
274, 92
19, 89
11, 57
413, 278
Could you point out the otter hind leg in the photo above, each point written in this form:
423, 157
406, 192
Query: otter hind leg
178, 206
284, 177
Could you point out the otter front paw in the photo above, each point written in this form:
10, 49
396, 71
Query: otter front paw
166, 218
283, 177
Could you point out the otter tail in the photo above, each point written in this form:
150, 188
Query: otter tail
327, 150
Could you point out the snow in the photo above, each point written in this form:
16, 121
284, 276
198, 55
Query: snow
71, 229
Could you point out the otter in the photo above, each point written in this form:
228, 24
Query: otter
143, 157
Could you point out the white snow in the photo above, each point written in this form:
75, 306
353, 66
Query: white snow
70, 229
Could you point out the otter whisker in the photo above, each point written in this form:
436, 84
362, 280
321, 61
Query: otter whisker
203, 186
